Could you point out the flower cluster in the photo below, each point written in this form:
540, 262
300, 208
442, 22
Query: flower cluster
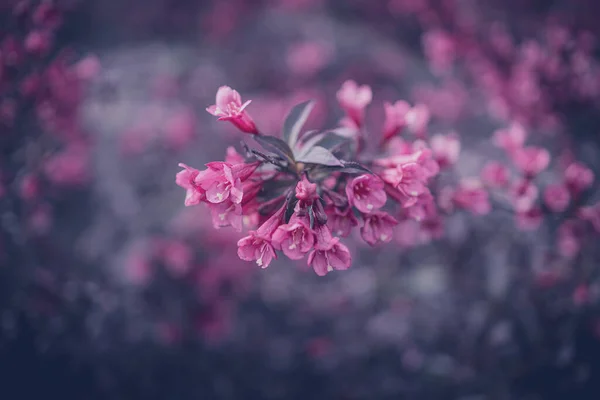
304, 191
301, 193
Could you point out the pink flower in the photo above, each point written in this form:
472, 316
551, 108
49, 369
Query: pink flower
510, 139
523, 195
354, 99
446, 149
186, 179
531, 160
495, 175
225, 214
295, 239
341, 221
329, 253
557, 197
470, 195
407, 182
229, 107
378, 227
529, 220
223, 181
254, 247
258, 244
578, 177
306, 190
395, 121
365, 192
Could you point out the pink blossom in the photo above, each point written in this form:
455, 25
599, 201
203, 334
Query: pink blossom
295, 238
495, 175
378, 227
578, 177
557, 197
223, 181
308, 58
258, 244
354, 99
306, 190
68, 167
88, 67
530, 219
187, 179
395, 121
470, 195
38, 42
406, 182
329, 253
446, 149
523, 195
510, 139
226, 214
229, 107
531, 160
254, 247
366, 193
341, 221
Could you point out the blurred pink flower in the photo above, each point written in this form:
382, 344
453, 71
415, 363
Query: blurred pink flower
511, 138
578, 177
472, 196
446, 149
523, 195
530, 219
531, 160
354, 99
557, 197
495, 175
395, 118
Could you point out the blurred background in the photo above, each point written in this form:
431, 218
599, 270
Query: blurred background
111, 289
